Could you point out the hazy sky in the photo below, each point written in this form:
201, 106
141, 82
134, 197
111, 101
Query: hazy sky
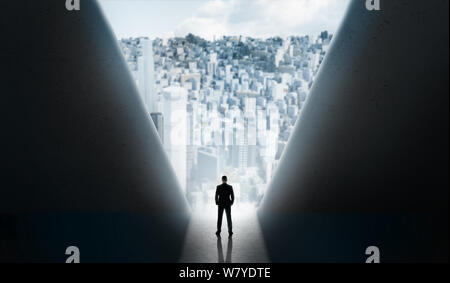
206, 18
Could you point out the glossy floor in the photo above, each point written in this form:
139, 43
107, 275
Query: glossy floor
246, 245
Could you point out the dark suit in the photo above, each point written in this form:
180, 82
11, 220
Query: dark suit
224, 200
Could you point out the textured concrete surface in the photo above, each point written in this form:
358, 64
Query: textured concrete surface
367, 162
82, 161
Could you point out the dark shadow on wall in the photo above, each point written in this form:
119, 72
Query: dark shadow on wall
100, 237
82, 163
323, 237
367, 163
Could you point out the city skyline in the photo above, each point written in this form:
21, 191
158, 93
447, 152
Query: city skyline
217, 18
224, 81
224, 107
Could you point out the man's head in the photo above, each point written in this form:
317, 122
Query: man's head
224, 179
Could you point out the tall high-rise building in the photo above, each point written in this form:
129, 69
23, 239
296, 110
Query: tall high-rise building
146, 76
208, 164
175, 129
158, 120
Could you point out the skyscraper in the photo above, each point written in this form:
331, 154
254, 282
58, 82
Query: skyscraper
175, 129
158, 120
146, 76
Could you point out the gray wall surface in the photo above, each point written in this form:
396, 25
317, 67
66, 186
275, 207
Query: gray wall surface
368, 160
81, 159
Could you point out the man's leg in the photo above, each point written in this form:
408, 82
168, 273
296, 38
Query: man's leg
229, 222
219, 218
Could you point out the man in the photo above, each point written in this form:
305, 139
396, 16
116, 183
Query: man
224, 200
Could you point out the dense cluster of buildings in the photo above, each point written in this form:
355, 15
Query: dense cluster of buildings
226, 106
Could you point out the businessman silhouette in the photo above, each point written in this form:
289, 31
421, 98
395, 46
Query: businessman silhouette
224, 201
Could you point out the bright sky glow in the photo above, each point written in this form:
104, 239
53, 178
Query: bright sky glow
209, 18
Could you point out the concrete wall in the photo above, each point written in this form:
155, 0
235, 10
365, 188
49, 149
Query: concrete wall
82, 163
367, 163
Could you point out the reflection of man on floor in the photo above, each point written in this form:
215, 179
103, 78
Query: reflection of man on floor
224, 201
220, 250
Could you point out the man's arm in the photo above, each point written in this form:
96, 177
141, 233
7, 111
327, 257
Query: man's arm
232, 196
217, 196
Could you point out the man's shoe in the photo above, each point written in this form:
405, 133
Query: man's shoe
218, 234
230, 234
